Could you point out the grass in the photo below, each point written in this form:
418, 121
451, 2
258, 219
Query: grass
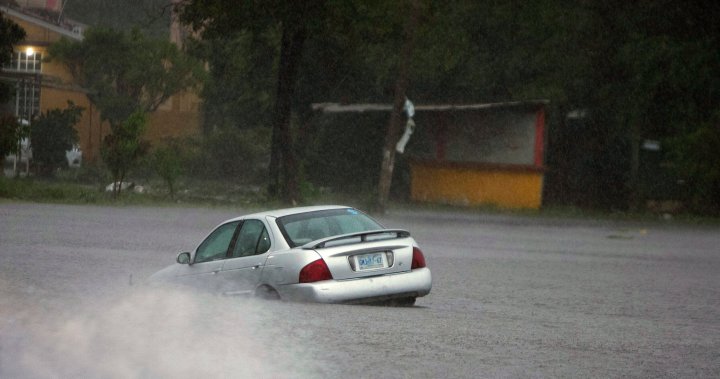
72, 192
72, 188
44, 191
567, 213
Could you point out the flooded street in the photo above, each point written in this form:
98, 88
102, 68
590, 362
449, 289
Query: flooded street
512, 297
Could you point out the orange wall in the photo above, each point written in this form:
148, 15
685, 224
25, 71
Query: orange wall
502, 187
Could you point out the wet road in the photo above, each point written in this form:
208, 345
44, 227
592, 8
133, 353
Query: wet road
512, 297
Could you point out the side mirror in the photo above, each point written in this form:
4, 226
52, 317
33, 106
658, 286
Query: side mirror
183, 258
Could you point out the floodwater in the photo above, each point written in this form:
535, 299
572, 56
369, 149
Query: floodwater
512, 297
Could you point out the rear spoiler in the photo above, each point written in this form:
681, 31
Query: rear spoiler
318, 244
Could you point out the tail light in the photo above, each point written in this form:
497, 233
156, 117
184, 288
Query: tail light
418, 259
316, 271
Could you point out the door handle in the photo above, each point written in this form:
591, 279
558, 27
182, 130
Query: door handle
255, 267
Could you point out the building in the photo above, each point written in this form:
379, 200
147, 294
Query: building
41, 86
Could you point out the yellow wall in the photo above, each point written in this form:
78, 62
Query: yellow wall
503, 187
176, 118
34, 33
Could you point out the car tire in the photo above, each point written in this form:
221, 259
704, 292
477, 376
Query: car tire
266, 293
403, 302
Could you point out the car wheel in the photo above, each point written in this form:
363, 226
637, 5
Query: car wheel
266, 293
403, 302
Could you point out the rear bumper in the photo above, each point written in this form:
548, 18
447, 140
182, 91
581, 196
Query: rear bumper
415, 283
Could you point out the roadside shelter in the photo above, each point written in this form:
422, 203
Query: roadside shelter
473, 154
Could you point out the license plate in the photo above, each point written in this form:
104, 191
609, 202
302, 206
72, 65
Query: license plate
370, 261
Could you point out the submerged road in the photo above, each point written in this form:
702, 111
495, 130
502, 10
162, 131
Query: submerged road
512, 297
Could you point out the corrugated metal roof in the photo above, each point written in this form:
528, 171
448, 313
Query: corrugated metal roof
374, 107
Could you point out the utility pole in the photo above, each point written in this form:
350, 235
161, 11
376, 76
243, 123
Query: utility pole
395, 123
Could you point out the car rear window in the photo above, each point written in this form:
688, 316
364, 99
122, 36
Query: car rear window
299, 229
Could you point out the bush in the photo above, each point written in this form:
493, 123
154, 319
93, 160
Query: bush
346, 152
167, 160
51, 135
123, 148
10, 133
696, 158
238, 155
88, 173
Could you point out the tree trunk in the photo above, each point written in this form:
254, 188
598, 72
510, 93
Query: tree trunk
283, 164
633, 182
394, 125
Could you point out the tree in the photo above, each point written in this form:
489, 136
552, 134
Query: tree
633, 70
167, 161
295, 23
637, 71
653, 74
125, 75
10, 34
401, 85
122, 149
10, 134
52, 134
697, 160
238, 89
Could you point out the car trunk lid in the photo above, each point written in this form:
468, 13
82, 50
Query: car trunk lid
364, 254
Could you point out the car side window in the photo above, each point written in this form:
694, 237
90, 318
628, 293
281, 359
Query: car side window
253, 239
264, 242
216, 245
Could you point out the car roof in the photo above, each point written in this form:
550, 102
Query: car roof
288, 211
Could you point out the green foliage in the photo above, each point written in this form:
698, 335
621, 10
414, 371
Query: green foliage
237, 154
52, 134
122, 148
238, 90
127, 76
10, 134
295, 23
10, 34
355, 57
638, 70
87, 174
696, 158
167, 160
30, 189
655, 77
125, 72
344, 154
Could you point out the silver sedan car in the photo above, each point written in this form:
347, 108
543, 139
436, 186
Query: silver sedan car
329, 254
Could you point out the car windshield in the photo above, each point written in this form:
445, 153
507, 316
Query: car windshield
299, 229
